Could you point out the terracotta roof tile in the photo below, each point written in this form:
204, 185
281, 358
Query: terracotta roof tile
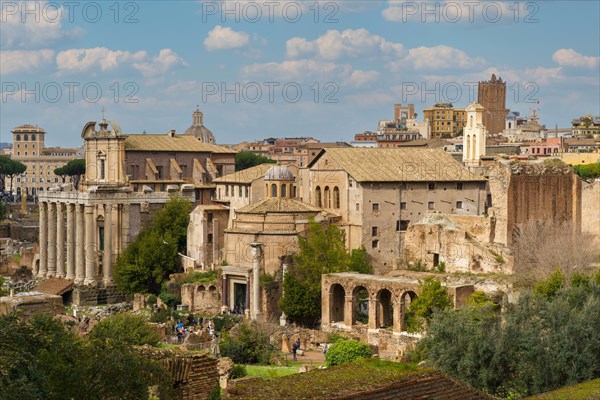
275, 205
163, 142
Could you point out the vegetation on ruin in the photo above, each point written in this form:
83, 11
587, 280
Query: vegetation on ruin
333, 382
587, 171
247, 159
247, 344
432, 298
74, 169
584, 391
196, 277
322, 251
149, 260
547, 340
346, 351
2, 290
42, 359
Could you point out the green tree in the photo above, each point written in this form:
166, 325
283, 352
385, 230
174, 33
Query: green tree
322, 251
432, 297
74, 169
62, 172
126, 328
345, 351
550, 287
247, 159
173, 220
41, 359
10, 168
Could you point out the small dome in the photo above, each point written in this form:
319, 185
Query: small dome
198, 129
279, 173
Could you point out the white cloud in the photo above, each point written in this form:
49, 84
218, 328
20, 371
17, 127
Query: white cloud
225, 38
571, 58
24, 60
165, 61
360, 78
336, 44
79, 60
40, 27
433, 58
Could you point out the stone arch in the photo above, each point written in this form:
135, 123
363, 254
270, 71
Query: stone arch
201, 288
318, 199
468, 149
336, 197
327, 196
212, 288
405, 299
283, 190
384, 308
273, 190
360, 305
337, 300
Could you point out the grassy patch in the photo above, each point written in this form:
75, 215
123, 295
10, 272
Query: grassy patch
589, 390
330, 382
270, 371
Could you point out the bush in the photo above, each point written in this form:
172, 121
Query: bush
345, 351
550, 286
224, 322
152, 299
238, 371
433, 297
161, 315
126, 328
249, 345
334, 337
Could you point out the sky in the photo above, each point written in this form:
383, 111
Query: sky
283, 68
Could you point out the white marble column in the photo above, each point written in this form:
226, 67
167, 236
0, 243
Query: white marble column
79, 245
43, 240
107, 259
285, 266
70, 242
51, 240
60, 241
256, 258
90, 246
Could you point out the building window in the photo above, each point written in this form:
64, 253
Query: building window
284, 190
336, 197
459, 205
375, 206
273, 190
247, 191
375, 244
403, 225
227, 190
374, 231
102, 169
357, 206
350, 182
403, 205
431, 205
209, 217
318, 201
32, 137
431, 186
209, 238
327, 197
459, 186
25, 138
18, 138
240, 190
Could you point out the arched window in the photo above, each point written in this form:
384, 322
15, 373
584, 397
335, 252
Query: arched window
273, 190
32, 138
25, 137
318, 200
18, 138
336, 197
284, 190
327, 197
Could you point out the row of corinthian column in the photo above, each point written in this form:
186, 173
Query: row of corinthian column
75, 257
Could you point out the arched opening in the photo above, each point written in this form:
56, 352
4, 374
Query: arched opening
405, 300
336, 303
327, 197
283, 190
385, 309
201, 288
212, 288
360, 305
273, 190
336, 197
468, 149
318, 200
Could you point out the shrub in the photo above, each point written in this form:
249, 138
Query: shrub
238, 371
550, 287
334, 337
441, 267
249, 345
152, 299
225, 322
126, 328
161, 315
345, 351
433, 297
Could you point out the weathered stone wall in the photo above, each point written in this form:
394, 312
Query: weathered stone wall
590, 209
202, 297
29, 305
94, 295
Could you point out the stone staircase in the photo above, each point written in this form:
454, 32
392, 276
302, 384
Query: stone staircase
56, 286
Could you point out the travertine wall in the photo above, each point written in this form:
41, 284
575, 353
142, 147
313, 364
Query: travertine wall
590, 209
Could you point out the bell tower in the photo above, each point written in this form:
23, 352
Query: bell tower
474, 135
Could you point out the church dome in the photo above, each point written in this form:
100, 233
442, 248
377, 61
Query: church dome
198, 130
279, 173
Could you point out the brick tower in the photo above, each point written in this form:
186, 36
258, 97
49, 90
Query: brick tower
492, 96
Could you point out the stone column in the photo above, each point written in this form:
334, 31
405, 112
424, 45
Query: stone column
398, 316
373, 309
224, 293
285, 266
107, 261
43, 240
51, 240
79, 245
60, 241
256, 258
348, 311
90, 246
70, 242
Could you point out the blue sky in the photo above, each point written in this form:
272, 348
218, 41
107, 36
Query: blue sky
290, 71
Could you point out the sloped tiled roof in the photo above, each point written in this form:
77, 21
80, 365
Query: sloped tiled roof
275, 205
397, 165
163, 142
248, 175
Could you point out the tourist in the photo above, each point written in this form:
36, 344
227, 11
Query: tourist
295, 348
